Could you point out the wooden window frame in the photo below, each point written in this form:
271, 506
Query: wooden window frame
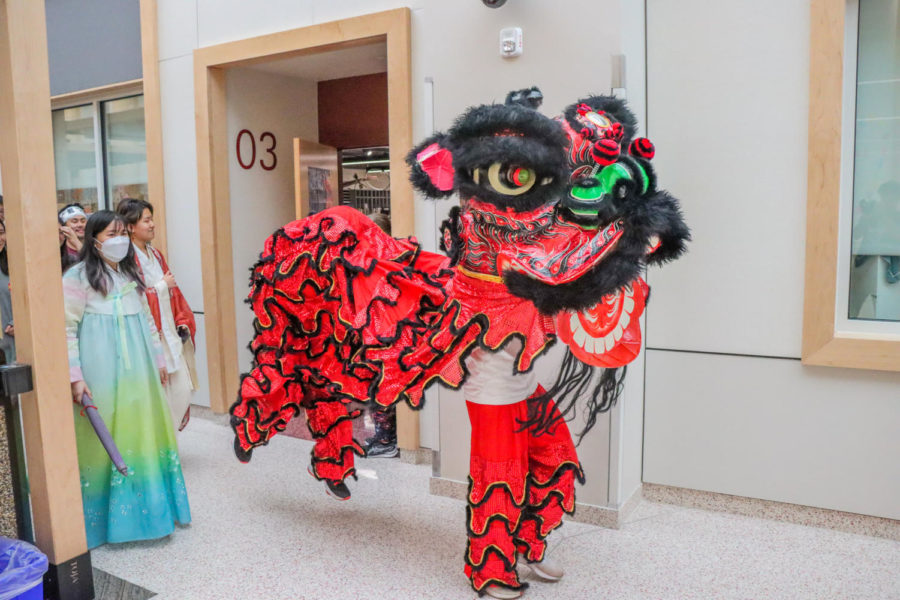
823, 343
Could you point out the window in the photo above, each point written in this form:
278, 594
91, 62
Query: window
850, 317
875, 240
100, 151
75, 153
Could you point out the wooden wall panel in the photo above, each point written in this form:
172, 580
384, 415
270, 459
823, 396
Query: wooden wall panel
26, 156
353, 111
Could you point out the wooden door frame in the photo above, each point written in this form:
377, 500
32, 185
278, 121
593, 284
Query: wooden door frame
210, 67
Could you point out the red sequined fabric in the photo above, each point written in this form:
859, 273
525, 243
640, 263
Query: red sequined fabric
520, 486
346, 312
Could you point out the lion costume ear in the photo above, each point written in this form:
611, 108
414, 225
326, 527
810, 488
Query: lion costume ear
431, 166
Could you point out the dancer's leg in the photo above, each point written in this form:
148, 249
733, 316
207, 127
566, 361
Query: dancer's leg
553, 468
330, 423
497, 493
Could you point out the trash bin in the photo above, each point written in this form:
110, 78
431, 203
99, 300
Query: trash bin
22, 568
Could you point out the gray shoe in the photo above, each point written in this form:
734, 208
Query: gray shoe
546, 570
504, 593
377, 450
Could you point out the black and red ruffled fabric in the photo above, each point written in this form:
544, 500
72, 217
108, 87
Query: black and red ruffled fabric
345, 312
520, 486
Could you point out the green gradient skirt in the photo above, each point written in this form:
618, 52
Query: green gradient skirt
147, 502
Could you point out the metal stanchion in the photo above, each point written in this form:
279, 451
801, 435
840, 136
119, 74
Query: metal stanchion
16, 379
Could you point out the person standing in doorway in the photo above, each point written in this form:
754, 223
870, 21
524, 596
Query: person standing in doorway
115, 358
171, 313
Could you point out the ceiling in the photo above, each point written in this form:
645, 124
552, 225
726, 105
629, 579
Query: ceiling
334, 64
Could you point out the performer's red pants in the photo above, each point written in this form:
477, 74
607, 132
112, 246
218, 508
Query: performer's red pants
520, 485
331, 425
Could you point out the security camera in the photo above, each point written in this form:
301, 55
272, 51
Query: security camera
494, 3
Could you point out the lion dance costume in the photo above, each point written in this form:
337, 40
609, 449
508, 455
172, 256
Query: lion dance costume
558, 218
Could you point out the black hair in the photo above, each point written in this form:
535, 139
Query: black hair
94, 265
4, 258
132, 209
66, 260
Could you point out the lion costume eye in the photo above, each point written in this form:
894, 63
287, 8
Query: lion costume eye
510, 180
599, 120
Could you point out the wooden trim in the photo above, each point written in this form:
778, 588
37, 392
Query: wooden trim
113, 90
215, 234
301, 205
402, 198
26, 156
156, 189
822, 344
210, 65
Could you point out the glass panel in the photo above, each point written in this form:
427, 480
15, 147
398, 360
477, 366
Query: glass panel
75, 152
124, 149
875, 266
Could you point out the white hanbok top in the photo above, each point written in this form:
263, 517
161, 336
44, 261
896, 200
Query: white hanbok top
123, 300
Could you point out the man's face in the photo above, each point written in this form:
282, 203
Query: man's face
77, 224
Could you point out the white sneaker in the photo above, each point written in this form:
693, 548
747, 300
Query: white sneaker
546, 570
497, 591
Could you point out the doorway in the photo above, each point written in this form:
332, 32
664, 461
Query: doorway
255, 151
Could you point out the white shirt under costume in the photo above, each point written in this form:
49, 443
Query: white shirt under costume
492, 377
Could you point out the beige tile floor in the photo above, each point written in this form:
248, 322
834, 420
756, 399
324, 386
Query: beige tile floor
266, 531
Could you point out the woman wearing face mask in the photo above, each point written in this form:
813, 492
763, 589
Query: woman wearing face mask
116, 359
8, 343
171, 313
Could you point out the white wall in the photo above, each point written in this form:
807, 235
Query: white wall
261, 200
626, 426
729, 407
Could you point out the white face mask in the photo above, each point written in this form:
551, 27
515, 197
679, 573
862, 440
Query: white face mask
115, 249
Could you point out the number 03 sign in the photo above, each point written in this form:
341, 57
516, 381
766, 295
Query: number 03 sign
266, 139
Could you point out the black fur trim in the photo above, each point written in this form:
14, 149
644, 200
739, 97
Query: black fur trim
451, 239
614, 107
669, 225
490, 119
529, 97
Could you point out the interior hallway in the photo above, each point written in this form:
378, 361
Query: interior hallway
267, 530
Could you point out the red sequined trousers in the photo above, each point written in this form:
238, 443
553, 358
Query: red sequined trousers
520, 485
330, 422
